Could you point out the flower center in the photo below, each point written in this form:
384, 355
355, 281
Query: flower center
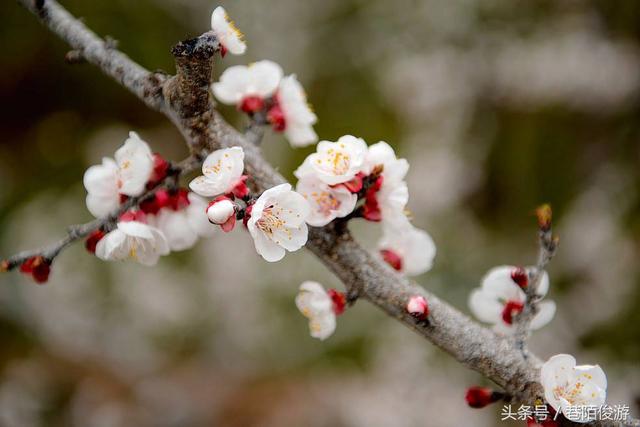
326, 201
270, 220
337, 161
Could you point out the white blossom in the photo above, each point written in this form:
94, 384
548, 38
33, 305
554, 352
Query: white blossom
222, 170
413, 247
390, 198
500, 299
326, 202
127, 175
255, 82
293, 114
101, 182
277, 222
133, 240
567, 385
225, 30
335, 162
135, 164
317, 306
183, 226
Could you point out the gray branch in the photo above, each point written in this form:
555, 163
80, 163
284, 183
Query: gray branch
185, 99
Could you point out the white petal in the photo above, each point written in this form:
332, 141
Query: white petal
415, 246
312, 300
592, 373
300, 135
295, 239
543, 286
557, 371
135, 165
234, 83
498, 283
136, 229
264, 78
267, 248
101, 182
102, 206
176, 228
547, 309
322, 327
485, 307
230, 37
197, 216
111, 245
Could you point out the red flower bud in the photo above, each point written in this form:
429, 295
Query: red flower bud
38, 267
520, 276
339, 301
252, 104
479, 397
92, 240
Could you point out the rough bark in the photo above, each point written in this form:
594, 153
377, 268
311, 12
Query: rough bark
185, 99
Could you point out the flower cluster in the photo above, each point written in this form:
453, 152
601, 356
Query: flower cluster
169, 219
276, 219
260, 90
348, 178
501, 298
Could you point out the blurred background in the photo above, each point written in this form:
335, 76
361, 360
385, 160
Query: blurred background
499, 105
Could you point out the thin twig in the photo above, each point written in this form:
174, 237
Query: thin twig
547, 247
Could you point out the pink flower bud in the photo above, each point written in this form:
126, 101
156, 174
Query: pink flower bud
418, 307
222, 211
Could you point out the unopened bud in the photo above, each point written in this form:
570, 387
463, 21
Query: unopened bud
479, 397
520, 276
418, 307
220, 211
544, 215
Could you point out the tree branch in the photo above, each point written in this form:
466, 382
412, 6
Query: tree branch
186, 101
80, 231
